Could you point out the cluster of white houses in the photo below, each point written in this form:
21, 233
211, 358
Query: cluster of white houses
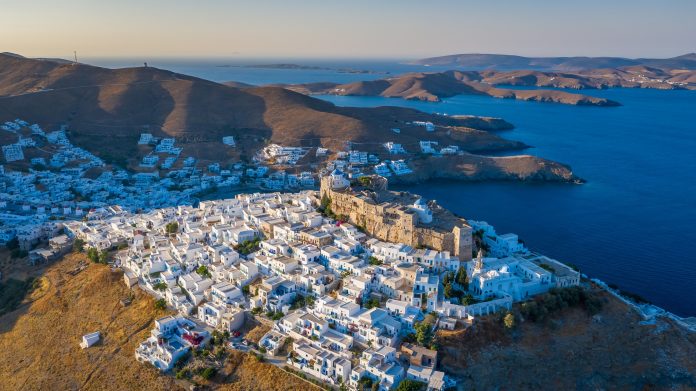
47, 177
67, 182
367, 294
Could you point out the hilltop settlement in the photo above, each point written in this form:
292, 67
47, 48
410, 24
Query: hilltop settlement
354, 278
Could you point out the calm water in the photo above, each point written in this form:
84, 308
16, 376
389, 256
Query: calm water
222, 70
633, 223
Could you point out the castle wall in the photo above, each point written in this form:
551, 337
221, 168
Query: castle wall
393, 224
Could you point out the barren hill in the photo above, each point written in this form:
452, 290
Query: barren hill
39, 342
638, 76
107, 109
613, 350
434, 86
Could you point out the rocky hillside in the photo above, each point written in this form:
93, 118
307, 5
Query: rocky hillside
570, 350
626, 77
469, 167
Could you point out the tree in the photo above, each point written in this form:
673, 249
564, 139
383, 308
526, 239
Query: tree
103, 256
78, 245
309, 301
325, 202
93, 254
509, 321
449, 291
462, 278
374, 261
203, 271
468, 300
160, 286
364, 383
365, 181
172, 228
372, 303
411, 385
424, 333
160, 304
208, 373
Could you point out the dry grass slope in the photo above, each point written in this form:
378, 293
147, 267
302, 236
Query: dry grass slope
243, 372
39, 342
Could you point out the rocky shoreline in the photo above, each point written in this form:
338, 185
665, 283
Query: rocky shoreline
475, 168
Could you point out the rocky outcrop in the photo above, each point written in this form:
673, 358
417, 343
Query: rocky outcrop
470, 167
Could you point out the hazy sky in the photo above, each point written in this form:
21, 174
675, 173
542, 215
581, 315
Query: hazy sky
355, 28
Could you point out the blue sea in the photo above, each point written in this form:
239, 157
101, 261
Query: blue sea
632, 224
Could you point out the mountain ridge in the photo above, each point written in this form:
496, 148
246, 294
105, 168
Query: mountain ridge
507, 61
107, 109
432, 87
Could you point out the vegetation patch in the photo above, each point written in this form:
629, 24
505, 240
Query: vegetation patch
557, 299
13, 291
248, 247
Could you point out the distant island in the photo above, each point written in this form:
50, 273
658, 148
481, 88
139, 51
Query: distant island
303, 67
505, 61
432, 87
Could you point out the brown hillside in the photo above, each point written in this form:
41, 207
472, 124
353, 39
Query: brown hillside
573, 351
469, 167
432, 87
107, 109
39, 342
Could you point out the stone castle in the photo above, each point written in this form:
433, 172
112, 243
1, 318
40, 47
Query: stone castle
397, 216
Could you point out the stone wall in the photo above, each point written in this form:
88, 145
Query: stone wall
395, 223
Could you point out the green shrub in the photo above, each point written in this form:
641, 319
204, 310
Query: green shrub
160, 304
208, 373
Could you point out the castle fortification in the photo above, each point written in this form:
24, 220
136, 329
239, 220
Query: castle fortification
397, 216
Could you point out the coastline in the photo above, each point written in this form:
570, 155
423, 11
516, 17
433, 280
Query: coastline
649, 312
